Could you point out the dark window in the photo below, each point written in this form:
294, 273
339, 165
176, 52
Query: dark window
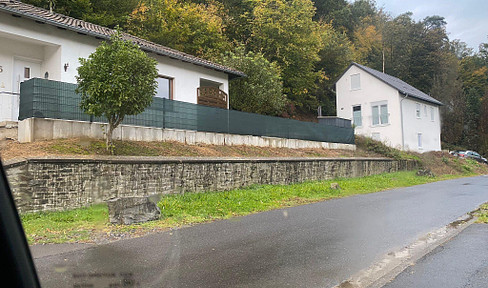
165, 87
356, 115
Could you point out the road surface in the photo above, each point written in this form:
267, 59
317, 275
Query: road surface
461, 262
316, 245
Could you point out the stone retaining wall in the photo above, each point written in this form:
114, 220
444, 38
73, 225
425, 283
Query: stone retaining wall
44, 184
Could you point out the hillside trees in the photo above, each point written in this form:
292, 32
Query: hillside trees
309, 43
286, 34
196, 29
108, 13
262, 90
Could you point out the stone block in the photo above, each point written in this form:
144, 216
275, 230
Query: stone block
43, 129
190, 137
174, 135
26, 130
425, 172
130, 210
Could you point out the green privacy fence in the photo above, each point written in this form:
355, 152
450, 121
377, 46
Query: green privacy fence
43, 98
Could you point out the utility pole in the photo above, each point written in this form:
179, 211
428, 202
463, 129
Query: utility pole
383, 54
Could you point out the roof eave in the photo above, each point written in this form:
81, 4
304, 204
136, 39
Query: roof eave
438, 103
232, 74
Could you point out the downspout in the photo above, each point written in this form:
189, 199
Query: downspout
401, 120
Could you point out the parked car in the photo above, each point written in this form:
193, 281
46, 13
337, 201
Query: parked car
456, 152
473, 155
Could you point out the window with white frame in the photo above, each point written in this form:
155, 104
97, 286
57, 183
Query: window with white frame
425, 111
380, 113
417, 110
432, 114
355, 82
356, 116
419, 140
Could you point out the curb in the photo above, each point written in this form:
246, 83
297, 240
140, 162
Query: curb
393, 263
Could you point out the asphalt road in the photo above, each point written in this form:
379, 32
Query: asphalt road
316, 245
461, 262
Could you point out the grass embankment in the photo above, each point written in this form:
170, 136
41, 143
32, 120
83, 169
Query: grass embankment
84, 147
482, 214
91, 224
438, 162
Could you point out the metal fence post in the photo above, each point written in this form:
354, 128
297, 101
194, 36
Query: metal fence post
164, 113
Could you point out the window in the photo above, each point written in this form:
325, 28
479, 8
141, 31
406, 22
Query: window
380, 114
165, 87
355, 82
417, 110
356, 116
27, 73
419, 140
431, 113
425, 111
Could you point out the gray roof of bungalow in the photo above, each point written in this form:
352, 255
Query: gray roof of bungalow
40, 15
398, 84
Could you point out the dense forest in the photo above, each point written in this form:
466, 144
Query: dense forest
294, 50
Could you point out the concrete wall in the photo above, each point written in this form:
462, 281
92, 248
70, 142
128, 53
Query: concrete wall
33, 129
59, 184
51, 48
8, 130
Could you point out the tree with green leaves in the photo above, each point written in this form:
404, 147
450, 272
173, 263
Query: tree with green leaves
472, 131
108, 13
285, 33
116, 80
196, 29
262, 90
336, 55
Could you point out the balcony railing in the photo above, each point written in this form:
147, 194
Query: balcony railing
212, 96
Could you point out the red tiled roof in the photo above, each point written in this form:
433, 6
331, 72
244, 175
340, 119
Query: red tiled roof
65, 22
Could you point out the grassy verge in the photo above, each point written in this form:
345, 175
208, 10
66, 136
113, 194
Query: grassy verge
91, 224
482, 214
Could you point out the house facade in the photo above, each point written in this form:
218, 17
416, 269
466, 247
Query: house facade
387, 109
37, 43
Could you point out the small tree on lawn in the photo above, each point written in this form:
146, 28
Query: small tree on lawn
116, 80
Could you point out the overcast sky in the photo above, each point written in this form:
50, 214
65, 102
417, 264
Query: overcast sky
467, 20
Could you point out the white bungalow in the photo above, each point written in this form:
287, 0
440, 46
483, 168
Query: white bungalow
37, 43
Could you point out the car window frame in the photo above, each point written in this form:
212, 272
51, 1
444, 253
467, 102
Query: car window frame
16, 257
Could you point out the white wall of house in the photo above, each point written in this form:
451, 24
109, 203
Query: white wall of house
186, 77
370, 93
421, 132
373, 92
51, 48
